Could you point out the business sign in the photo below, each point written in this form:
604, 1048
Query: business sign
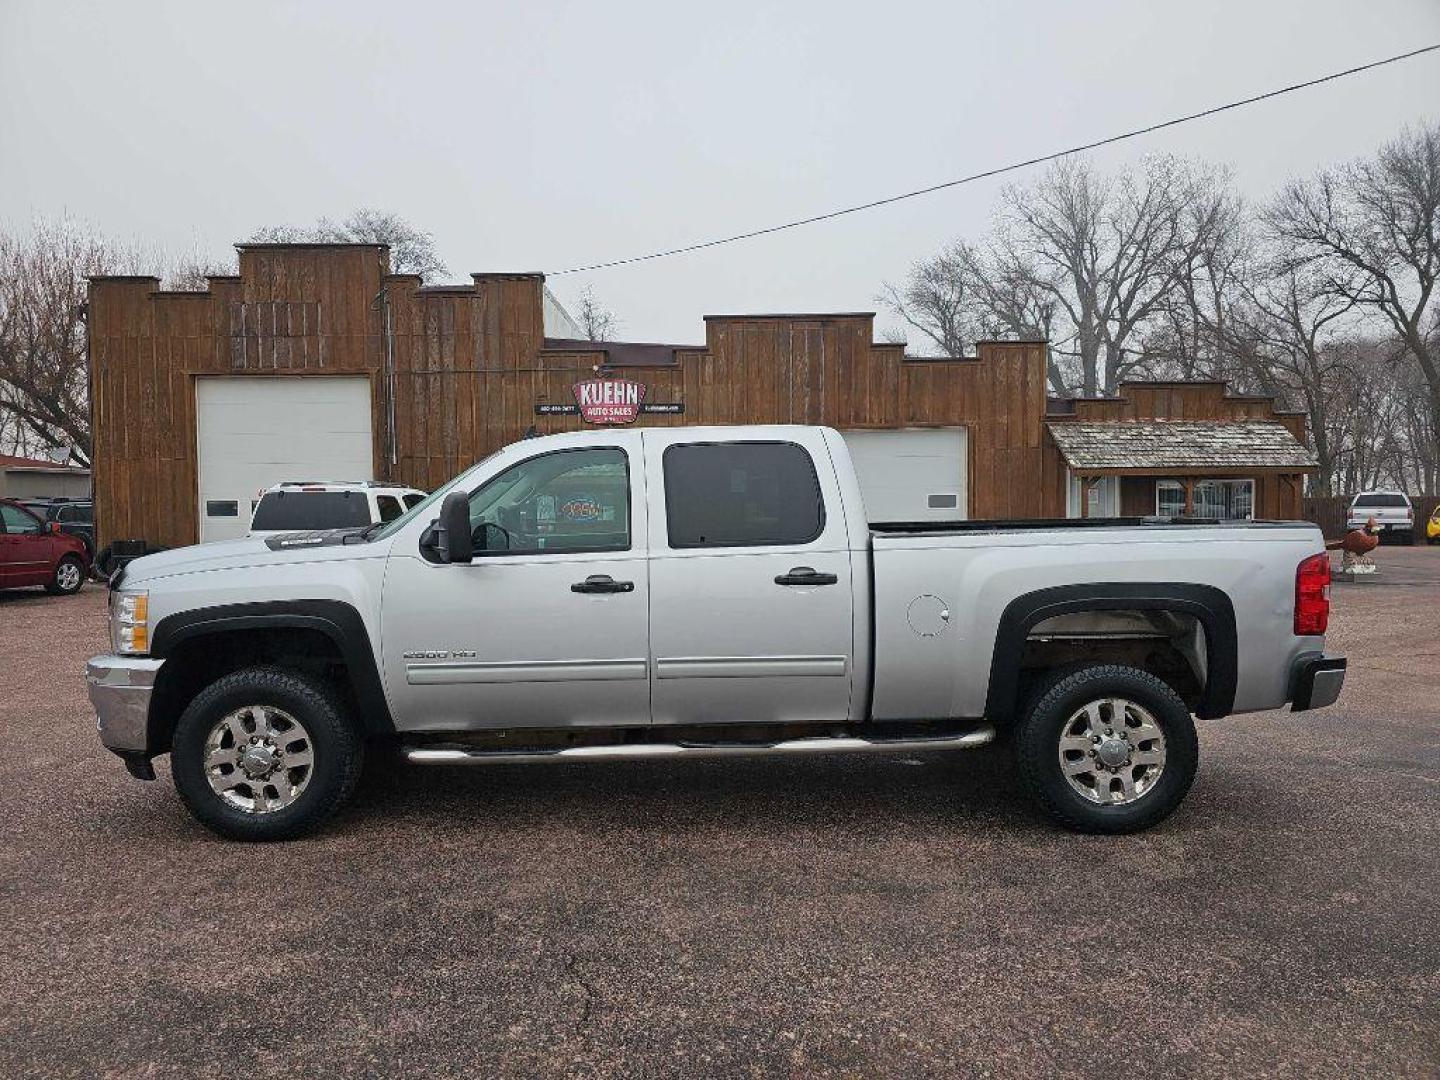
609, 401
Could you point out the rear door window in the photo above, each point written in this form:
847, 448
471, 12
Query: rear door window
412, 500
389, 507
300, 510
741, 494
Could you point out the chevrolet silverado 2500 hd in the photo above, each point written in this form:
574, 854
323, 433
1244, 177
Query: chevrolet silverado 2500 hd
674, 592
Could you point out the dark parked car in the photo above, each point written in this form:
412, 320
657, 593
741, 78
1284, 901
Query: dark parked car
34, 551
76, 517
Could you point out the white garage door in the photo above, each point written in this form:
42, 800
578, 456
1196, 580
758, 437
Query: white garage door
254, 432
915, 474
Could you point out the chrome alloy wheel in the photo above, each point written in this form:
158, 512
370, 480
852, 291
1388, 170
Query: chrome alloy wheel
1112, 751
259, 759
68, 575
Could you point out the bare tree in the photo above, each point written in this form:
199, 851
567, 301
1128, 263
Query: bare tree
1420, 469
1110, 252
412, 251
1087, 261
43, 363
1195, 336
597, 322
1285, 331
15, 437
1372, 229
938, 299
44, 373
191, 271
1371, 425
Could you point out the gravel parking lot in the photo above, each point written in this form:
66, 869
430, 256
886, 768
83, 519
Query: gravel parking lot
843, 916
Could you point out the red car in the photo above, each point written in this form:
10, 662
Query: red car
36, 552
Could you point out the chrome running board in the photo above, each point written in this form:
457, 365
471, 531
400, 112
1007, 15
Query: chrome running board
455, 755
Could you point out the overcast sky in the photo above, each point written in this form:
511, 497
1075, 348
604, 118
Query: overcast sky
540, 136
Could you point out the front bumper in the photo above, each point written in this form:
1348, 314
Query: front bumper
1315, 681
120, 689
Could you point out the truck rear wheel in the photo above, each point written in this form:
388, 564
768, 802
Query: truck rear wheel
265, 754
1107, 749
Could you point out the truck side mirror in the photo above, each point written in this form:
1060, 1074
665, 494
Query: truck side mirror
449, 535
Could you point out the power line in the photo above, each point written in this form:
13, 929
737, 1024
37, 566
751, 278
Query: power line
997, 171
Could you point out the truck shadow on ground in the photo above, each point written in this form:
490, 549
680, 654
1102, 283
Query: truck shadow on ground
750, 794
830, 797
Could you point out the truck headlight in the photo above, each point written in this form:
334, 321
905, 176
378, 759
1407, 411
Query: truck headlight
130, 623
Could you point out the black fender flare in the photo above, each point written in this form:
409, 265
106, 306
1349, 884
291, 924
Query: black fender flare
1210, 606
337, 620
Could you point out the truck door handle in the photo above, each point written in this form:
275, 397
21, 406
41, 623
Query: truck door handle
805, 575
602, 583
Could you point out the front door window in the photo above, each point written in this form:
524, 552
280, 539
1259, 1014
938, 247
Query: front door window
566, 502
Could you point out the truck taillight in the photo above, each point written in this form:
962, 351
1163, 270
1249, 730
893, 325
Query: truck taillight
1312, 595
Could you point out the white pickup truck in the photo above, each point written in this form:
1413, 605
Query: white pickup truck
677, 592
1391, 510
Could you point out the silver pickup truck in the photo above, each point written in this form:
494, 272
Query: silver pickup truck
677, 592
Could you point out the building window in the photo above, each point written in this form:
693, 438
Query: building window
1229, 500
1101, 497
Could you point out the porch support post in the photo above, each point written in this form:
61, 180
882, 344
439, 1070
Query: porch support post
1189, 496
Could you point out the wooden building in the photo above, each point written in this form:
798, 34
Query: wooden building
316, 358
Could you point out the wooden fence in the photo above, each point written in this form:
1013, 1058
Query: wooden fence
1329, 513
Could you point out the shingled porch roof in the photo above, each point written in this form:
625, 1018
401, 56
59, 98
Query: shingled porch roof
1179, 447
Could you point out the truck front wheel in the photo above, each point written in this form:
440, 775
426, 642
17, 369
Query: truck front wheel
1107, 749
265, 754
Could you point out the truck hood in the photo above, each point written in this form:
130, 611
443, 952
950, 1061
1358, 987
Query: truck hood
271, 550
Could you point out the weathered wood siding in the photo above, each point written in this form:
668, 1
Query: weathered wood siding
302, 309
468, 365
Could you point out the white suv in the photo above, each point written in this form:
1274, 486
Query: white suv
1390, 509
311, 506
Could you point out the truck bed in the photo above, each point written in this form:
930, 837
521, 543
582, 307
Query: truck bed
941, 592
940, 528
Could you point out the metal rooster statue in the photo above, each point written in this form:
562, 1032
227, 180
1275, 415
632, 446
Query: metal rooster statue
1355, 547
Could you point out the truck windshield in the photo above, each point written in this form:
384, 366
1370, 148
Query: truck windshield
290, 510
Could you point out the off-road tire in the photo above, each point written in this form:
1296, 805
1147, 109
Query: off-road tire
1036, 742
54, 586
339, 752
